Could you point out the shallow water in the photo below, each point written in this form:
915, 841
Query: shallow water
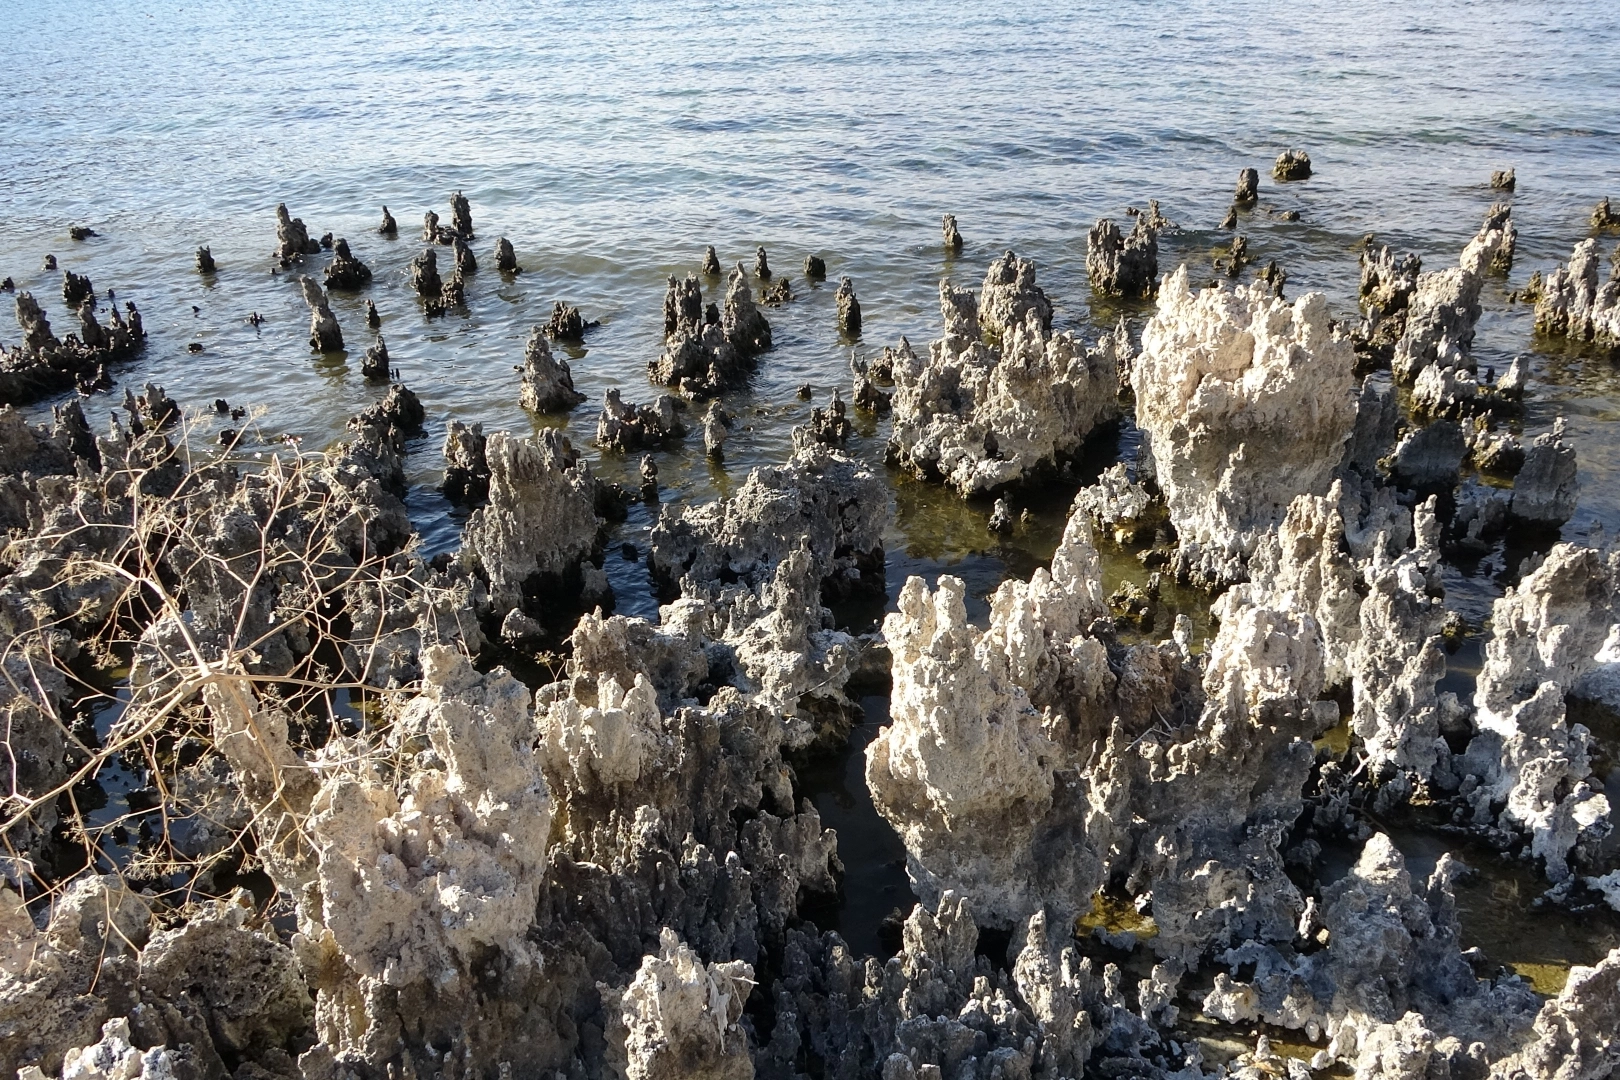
611, 143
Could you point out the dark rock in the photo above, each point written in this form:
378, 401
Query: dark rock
1603, 217
466, 468
849, 309
205, 261
389, 226
292, 237
953, 237
566, 323
374, 365
325, 336
683, 304
461, 216
711, 262
77, 290
373, 320
345, 271
762, 266
466, 263
632, 427
1503, 180
1119, 265
81, 232
1292, 165
1248, 187
425, 275
506, 258
815, 267
829, 427
776, 293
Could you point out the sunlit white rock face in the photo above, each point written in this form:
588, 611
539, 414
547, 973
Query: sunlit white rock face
414, 882
1577, 302
1556, 632
541, 517
1248, 402
978, 416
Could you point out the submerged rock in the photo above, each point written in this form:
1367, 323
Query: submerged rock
466, 262
425, 275
461, 216
292, 237
716, 430
566, 323
1603, 217
745, 328
683, 305
776, 293
466, 467
506, 258
815, 267
547, 383
205, 261
1248, 187
375, 365
631, 427
762, 266
389, 226
828, 426
711, 262
953, 236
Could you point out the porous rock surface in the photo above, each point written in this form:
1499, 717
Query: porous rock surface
1575, 300
1248, 402
1120, 264
541, 521
547, 383
979, 417
820, 498
704, 358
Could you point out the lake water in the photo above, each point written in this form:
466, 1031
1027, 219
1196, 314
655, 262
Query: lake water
612, 142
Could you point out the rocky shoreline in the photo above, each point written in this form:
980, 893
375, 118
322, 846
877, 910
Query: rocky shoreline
360, 845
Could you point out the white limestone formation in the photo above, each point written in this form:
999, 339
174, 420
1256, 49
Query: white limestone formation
980, 418
678, 1018
1248, 402
1575, 302
416, 877
541, 518
548, 383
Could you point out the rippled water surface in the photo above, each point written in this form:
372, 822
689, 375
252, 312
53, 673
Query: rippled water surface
611, 142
